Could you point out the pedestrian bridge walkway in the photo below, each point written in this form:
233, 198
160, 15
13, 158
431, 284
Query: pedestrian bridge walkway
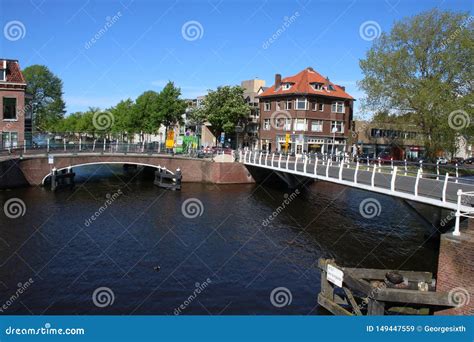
441, 190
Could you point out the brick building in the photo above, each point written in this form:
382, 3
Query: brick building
12, 104
313, 113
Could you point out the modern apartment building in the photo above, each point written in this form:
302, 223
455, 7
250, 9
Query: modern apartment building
13, 113
305, 113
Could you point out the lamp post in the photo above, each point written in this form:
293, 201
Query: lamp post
238, 129
334, 130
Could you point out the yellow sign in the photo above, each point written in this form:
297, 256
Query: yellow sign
170, 139
287, 141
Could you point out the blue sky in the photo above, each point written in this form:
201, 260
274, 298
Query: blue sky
144, 45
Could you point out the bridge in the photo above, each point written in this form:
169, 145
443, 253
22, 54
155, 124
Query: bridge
402, 181
36, 164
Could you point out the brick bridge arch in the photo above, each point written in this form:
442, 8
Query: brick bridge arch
36, 168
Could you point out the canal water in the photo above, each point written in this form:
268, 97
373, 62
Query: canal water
117, 244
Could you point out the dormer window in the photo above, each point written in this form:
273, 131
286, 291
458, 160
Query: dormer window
317, 86
3, 74
330, 87
286, 86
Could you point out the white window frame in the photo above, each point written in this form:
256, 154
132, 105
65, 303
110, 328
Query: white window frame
3, 75
266, 124
337, 124
288, 104
320, 123
314, 106
295, 125
335, 107
321, 107
288, 124
265, 104
318, 86
298, 100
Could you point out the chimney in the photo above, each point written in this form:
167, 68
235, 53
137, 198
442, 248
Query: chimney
342, 87
277, 81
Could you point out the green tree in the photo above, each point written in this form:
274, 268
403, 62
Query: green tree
224, 108
145, 115
122, 113
424, 67
171, 107
47, 104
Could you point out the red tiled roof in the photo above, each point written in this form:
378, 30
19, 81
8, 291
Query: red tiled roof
14, 74
302, 85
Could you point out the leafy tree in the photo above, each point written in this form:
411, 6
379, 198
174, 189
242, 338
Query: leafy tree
224, 108
424, 67
171, 107
145, 115
122, 113
47, 104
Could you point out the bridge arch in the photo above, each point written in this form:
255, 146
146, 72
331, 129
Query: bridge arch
158, 167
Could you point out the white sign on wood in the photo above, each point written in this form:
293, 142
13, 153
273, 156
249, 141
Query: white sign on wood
335, 275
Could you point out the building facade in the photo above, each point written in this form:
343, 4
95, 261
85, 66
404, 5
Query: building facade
250, 134
13, 112
305, 113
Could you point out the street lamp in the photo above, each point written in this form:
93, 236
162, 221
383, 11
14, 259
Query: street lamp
334, 130
238, 129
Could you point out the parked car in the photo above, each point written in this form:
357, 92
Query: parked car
441, 161
457, 160
469, 161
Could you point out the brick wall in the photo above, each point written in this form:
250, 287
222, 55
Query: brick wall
17, 125
456, 269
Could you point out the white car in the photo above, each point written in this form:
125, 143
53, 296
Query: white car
441, 160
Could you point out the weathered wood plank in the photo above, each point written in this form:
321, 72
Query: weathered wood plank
332, 307
359, 285
412, 296
375, 308
377, 274
353, 302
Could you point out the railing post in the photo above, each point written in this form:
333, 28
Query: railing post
418, 176
316, 166
394, 177
273, 158
372, 181
240, 156
327, 169
24, 147
421, 169
341, 167
296, 163
356, 171
104, 145
279, 161
287, 160
406, 167
64, 142
260, 159
457, 172
47, 148
305, 164
380, 163
445, 186
93, 145
245, 156
266, 159
80, 143
437, 170
458, 215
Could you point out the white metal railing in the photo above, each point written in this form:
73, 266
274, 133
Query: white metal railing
283, 164
460, 211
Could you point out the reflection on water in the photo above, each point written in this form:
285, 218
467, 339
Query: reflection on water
153, 258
